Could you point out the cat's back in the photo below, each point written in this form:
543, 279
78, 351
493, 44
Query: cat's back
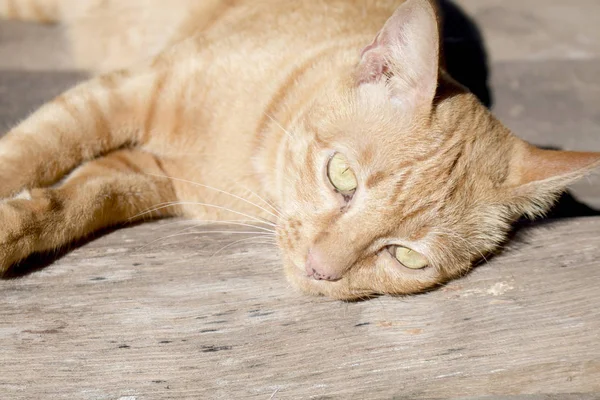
113, 34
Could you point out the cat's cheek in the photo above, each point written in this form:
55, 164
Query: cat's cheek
386, 276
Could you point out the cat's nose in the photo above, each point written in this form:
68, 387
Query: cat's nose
317, 268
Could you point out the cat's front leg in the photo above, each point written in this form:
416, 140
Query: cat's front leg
121, 187
91, 119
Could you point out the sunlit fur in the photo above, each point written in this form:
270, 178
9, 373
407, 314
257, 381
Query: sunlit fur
231, 110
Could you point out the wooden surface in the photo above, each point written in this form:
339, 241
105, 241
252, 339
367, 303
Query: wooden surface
128, 318
125, 316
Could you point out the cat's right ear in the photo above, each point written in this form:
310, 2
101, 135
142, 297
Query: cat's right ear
405, 54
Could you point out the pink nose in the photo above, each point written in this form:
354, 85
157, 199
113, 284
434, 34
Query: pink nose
317, 268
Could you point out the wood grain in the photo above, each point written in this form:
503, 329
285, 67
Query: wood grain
125, 317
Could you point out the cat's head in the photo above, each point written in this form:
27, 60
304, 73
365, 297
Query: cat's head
398, 179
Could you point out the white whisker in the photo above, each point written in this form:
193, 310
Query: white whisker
176, 203
217, 190
269, 231
207, 232
268, 203
278, 124
240, 241
206, 222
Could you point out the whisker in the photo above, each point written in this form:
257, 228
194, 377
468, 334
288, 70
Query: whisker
268, 203
217, 190
234, 232
154, 208
200, 222
205, 232
278, 124
271, 232
207, 222
239, 241
160, 206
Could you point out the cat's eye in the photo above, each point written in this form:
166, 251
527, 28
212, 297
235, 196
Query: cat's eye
410, 258
341, 175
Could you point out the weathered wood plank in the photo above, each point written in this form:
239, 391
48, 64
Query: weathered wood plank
123, 316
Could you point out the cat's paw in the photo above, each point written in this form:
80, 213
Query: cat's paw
16, 225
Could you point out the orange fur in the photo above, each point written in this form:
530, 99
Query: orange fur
257, 95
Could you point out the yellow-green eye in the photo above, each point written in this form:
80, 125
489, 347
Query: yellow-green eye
340, 174
410, 258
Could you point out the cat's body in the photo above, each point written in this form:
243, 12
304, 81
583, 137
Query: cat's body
188, 113
242, 102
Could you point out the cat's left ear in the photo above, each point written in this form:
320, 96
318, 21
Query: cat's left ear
405, 53
537, 176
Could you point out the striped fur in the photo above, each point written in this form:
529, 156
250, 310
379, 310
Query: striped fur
231, 109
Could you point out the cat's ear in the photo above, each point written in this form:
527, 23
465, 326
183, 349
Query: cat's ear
537, 176
405, 53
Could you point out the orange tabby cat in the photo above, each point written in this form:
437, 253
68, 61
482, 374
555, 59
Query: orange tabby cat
379, 173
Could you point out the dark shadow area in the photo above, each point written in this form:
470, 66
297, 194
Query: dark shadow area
466, 60
39, 261
568, 206
464, 52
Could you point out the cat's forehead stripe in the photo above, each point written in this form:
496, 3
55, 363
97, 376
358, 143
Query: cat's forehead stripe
399, 187
367, 155
375, 179
309, 162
